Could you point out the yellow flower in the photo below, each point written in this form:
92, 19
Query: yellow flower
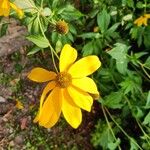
67, 91
142, 20
5, 6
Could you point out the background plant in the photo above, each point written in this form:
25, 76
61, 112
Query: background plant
106, 29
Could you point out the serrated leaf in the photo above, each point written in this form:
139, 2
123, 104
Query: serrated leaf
132, 83
114, 145
102, 136
103, 20
119, 53
114, 100
38, 40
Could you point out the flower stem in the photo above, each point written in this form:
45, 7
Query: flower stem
51, 48
109, 126
130, 138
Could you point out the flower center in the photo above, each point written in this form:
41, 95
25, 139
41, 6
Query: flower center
63, 79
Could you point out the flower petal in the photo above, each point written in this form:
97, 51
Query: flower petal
147, 15
139, 21
71, 112
41, 75
18, 10
145, 21
51, 109
86, 84
67, 57
84, 66
4, 8
47, 89
80, 98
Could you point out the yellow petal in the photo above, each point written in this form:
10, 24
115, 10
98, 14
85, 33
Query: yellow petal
84, 66
145, 21
36, 119
139, 21
41, 75
80, 98
18, 10
51, 109
47, 89
4, 8
71, 112
67, 57
86, 84
147, 15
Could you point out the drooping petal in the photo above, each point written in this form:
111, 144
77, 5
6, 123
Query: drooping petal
147, 15
4, 8
71, 112
47, 89
51, 109
139, 21
86, 84
67, 57
84, 66
145, 21
80, 98
41, 75
18, 10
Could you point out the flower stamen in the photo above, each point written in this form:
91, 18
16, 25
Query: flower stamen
63, 79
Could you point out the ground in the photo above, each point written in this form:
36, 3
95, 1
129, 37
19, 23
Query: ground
19, 102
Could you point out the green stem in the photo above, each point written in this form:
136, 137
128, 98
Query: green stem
42, 3
51, 48
145, 6
109, 126
142, 66
130, 138
145, 134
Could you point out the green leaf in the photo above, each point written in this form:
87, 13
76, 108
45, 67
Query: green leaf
114, 145
133, 146
46, 12
112, 29
134, 58
103, 135
27, 5
103, 20
3, 29
119, 53
137, 33
90, 35
38, 40
88, 49
147, 119
68, 12
34, 50
131, 84
114, 100
147, 62
148, 100
137, 112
